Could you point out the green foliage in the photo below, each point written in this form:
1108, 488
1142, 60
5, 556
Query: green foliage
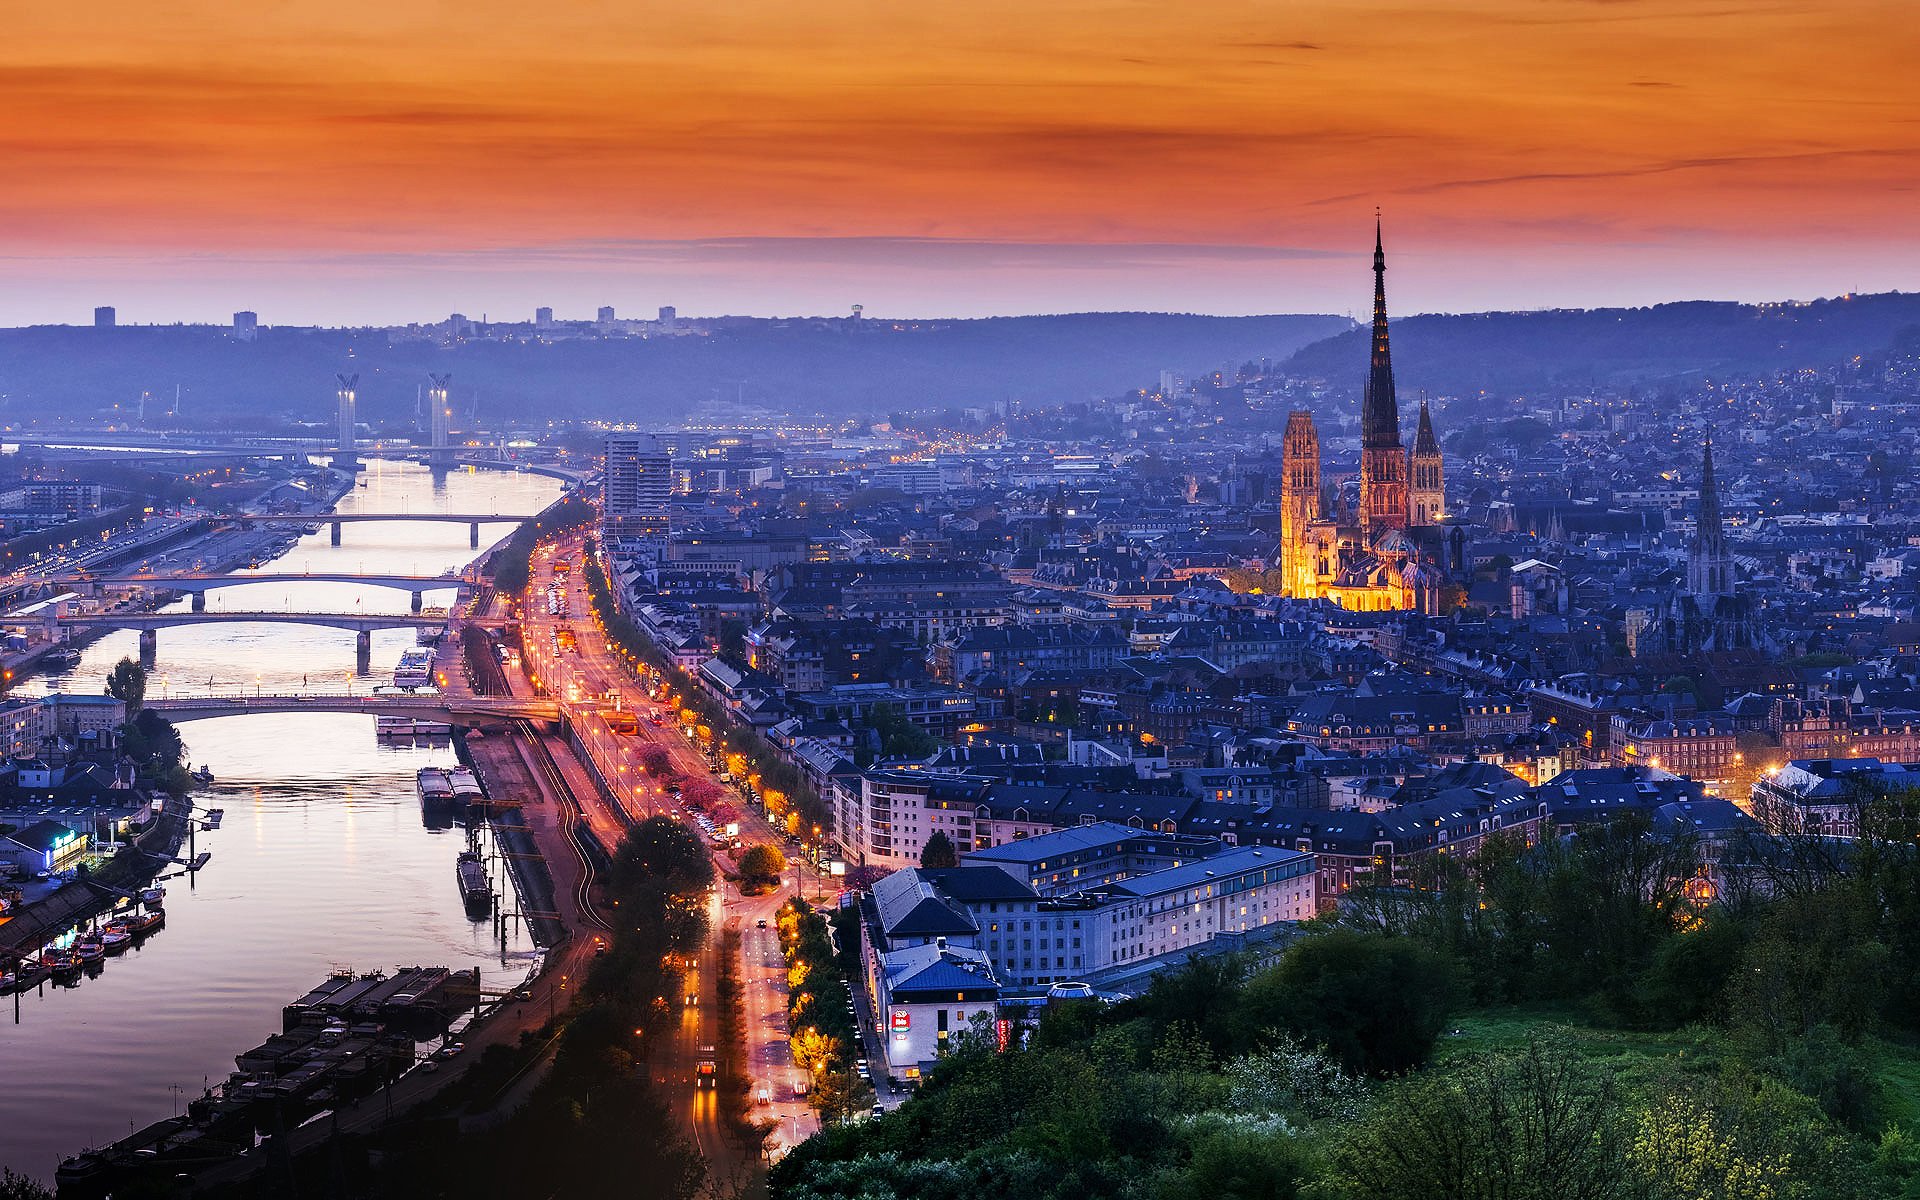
899, 737
127, 683
1531, 1125
939, 852
1376, 1003
763, 862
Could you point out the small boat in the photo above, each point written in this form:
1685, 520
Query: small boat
7, 981
203, 776
66, 657
148, 921
89, 948
115, 941
62, 964
154, 896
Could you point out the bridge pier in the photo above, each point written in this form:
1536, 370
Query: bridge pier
473, 535
336, 531
418, 601
199, 602
362, 649
149, 645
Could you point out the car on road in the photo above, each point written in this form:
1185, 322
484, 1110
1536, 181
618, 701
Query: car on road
879, 1110
760, 924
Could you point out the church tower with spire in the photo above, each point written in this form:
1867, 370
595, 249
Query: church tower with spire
1428, 488
1709, 568
1383, 458
1299, 503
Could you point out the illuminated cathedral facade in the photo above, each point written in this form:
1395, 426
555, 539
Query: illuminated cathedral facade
1377, 561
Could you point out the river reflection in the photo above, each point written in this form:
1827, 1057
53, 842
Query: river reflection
321, 861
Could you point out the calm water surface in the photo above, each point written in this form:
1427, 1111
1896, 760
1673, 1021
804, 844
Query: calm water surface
321, 860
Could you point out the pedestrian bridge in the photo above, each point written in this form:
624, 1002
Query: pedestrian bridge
457, 710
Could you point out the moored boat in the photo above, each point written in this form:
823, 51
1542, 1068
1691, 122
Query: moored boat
435, 787
475, 891
154, 896
115, 940
466, 786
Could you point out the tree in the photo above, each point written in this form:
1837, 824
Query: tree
939, 852
763, 862
899, 737
1532, 1125
127, 683
655, 760
15, 1186
1376, 1003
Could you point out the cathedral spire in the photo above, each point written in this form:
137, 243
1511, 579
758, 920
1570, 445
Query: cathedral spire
1384, 503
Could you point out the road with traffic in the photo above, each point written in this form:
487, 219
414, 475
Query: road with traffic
564, 650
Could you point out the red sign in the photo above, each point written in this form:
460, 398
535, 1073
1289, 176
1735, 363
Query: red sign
1002, 1030
902, 1020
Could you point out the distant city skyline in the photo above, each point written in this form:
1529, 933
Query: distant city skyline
379, 163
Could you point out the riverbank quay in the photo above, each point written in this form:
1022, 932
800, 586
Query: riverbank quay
152, 851
510, 789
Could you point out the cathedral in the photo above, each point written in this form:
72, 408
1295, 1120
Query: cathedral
1382, 560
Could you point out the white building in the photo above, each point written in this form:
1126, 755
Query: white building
639, 484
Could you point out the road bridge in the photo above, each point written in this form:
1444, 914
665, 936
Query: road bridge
53, 619
457, 710
199, 583
473, 521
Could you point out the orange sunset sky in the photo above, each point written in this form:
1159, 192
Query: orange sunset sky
383, 160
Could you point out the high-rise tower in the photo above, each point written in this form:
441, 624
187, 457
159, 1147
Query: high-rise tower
1709, 569
1299, 502
349, 417
1428, 491
1383, 459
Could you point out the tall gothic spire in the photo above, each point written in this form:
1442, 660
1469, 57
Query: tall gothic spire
1380, 412
1709, 572
1423, 440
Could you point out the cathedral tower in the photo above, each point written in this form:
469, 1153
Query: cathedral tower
1383, 459
1429, 489
1299, 502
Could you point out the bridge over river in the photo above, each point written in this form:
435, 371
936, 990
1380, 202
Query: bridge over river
198, 584
457, 710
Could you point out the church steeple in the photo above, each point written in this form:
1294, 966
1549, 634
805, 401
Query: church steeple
1423, 439
1384, 503
1380, 412
1427, 488
1709, 571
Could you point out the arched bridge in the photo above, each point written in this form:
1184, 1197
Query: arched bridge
457, 710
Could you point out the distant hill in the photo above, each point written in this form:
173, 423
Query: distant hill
1515, 354
832, 366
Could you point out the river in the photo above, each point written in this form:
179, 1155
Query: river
321, 860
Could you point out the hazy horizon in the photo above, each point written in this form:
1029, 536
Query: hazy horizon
382, 162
